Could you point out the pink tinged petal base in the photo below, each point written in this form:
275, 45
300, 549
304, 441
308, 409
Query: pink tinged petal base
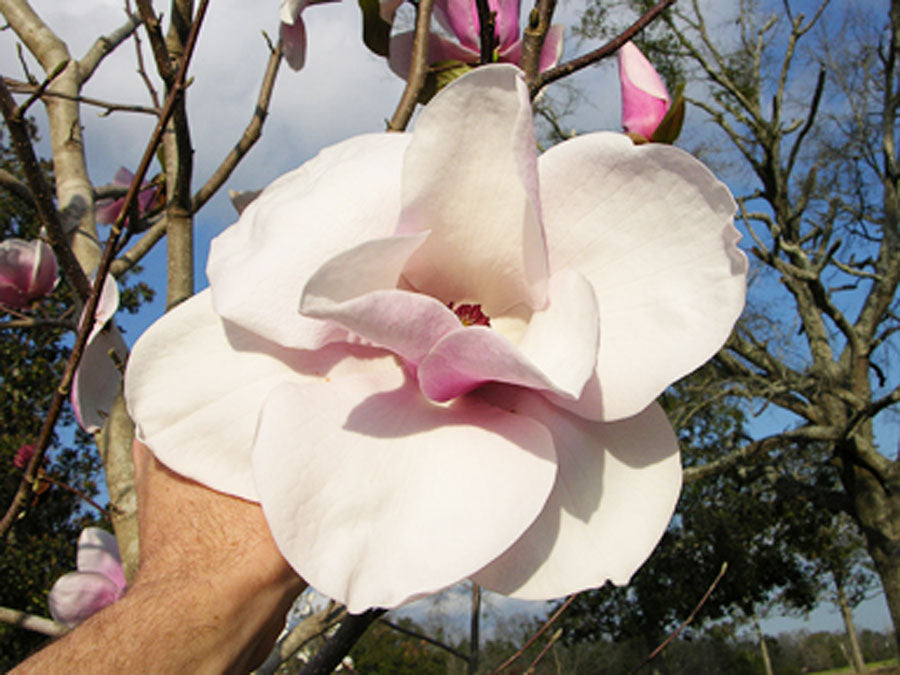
293, 43
98, 552
552, 50
439, 49
487, 242
307, 213
644, 96
615, 493
196, 383
557, 353
28, 271
386, 497
356, 289
652, 230
78, 595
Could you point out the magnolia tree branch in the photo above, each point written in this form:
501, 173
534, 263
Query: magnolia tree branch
32, 622
332, 653
534, 638
250, 136
539, 21
486, 31
73, 187
46, 433
105, 46
15, 187
418, 68
424, 638
597, 55
140, 248
109, 107
40, 194
311, 627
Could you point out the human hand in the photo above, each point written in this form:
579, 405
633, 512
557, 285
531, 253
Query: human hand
210, 595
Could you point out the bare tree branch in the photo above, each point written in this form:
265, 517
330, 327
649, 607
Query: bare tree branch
418, 68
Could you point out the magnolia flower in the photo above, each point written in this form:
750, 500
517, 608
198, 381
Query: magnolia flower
645, 100
460, 17
293, 32
96, 381
99, 581
28, 271
106, 211
396, 450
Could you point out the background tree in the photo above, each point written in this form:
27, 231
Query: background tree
803, 112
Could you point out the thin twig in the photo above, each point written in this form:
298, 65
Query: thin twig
569, 67
547, 647
709, 591
21, 496
24, 88
486, 31
39, 90
533, 38
419, 636
78, 493
142, 71
31, 622
248, 139
418, 68
543, 629
41, 195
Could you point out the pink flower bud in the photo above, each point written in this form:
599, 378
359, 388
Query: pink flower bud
23, 456
28, 271
644, 96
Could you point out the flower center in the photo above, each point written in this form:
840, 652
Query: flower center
470, 315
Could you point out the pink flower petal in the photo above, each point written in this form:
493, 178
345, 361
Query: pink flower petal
385, 497
98, 552
357, 289
96, 381
557, 353
307, 213
652, 229
552, 50
387, 9
293, 43
614, 495
487, 243
644, 96
462, 17
439, 49
196, 383
123, 177
28, 271
78, 595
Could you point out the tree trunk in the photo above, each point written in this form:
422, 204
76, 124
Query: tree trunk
876, 503
856, 658
767, 662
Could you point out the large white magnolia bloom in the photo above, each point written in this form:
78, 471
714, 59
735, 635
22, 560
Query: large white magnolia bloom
396, 451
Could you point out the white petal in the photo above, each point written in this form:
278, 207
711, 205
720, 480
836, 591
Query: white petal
348, 194
376, 496
195, 385
470, 177
614, 495
98, 552
652, 229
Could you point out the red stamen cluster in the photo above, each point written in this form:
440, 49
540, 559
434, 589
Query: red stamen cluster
471, 315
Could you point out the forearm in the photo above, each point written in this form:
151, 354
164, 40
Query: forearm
177, 625
210, 596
